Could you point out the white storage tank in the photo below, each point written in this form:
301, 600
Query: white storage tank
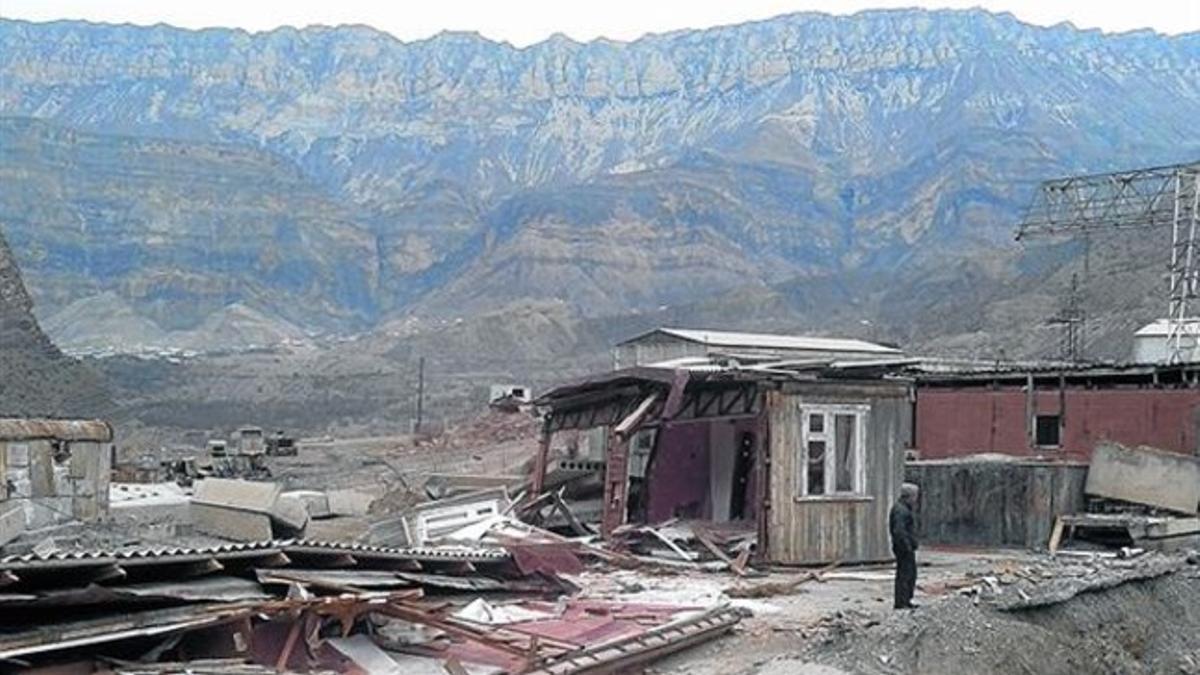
1150, 342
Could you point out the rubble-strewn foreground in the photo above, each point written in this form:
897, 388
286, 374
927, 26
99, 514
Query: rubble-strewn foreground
1146, 621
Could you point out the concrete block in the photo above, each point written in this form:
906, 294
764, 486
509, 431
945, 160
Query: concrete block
41, 470
1145, 476
12, 521
64, 485
47, 511
83, 487
85, 460
315, 502
230, 523
20, 488
289, 512
239, 494
349, 502
85, 508
18, 454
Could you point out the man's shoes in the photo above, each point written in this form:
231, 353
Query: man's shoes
911, 605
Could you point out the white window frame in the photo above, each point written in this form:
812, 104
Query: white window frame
861, 413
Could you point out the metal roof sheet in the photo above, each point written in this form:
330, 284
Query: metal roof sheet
120, 556
24, 429
719, 338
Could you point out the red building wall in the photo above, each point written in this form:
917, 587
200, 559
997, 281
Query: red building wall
952, 422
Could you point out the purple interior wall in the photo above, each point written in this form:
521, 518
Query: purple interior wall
677, 483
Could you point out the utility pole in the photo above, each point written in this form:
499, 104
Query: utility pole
420, 394
1073, 320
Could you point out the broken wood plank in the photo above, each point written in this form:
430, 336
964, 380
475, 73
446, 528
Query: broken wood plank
1056, 535
716, 551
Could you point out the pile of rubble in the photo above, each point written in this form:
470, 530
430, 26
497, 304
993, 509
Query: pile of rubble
1095, 613
298, 605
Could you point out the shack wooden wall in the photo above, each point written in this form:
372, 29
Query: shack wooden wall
994, 503
813, 531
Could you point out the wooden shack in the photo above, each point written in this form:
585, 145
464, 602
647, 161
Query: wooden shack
811, 457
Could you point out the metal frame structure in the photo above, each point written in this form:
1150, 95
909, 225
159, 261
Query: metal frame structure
1165, 196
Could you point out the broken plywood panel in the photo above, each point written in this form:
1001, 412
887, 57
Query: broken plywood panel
1145, 476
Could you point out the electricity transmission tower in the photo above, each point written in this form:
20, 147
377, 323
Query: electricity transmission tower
1073, 320
1159, 197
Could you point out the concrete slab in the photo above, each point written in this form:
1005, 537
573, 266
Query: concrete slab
12, 521
349, 502
291, 514
1145, 476
237, 494
41, 470
230, 523
18, 454
315, 502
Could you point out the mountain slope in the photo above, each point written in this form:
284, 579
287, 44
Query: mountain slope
454, 174
36, 379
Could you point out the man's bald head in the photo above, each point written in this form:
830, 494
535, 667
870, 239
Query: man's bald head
909, 493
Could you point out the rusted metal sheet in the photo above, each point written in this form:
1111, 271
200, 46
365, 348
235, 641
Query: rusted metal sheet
24, 429
967, 420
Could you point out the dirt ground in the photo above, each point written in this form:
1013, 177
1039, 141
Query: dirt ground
781, 625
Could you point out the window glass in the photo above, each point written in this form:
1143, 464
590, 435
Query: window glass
845, 459
1047, 431
816, 423
816, 467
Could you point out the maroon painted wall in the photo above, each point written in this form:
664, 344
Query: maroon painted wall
677, 482
954, 422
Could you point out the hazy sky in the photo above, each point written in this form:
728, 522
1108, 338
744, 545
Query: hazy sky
525, 21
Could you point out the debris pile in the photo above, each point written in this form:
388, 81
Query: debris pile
299, 605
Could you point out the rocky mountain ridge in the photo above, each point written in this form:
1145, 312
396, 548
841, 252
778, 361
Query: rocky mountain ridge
453, 175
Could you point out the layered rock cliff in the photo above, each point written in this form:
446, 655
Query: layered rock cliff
36, 379
336, 177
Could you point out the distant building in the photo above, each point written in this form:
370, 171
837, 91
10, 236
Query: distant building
517, 393
53, 471
1150, 343
1057, 412
669, 344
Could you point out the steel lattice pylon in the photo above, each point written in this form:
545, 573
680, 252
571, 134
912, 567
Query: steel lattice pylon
1166, 196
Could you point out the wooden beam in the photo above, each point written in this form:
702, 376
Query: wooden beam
538, 482
616, 484
630, 424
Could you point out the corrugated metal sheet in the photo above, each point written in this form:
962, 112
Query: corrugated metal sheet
718, 338
454, 553
23, 429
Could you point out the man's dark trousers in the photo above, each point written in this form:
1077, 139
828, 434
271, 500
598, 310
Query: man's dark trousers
906, 576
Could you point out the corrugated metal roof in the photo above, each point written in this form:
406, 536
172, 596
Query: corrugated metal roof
102, 557
718, 338
23, 429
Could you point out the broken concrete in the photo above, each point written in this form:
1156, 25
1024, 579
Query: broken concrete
1145, 476
349, 502
245, 510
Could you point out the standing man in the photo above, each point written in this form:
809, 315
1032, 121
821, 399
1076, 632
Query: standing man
902, 526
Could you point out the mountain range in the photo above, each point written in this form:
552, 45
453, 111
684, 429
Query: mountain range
217, 189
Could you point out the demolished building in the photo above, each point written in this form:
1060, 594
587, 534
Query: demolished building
807, 455
53, 471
